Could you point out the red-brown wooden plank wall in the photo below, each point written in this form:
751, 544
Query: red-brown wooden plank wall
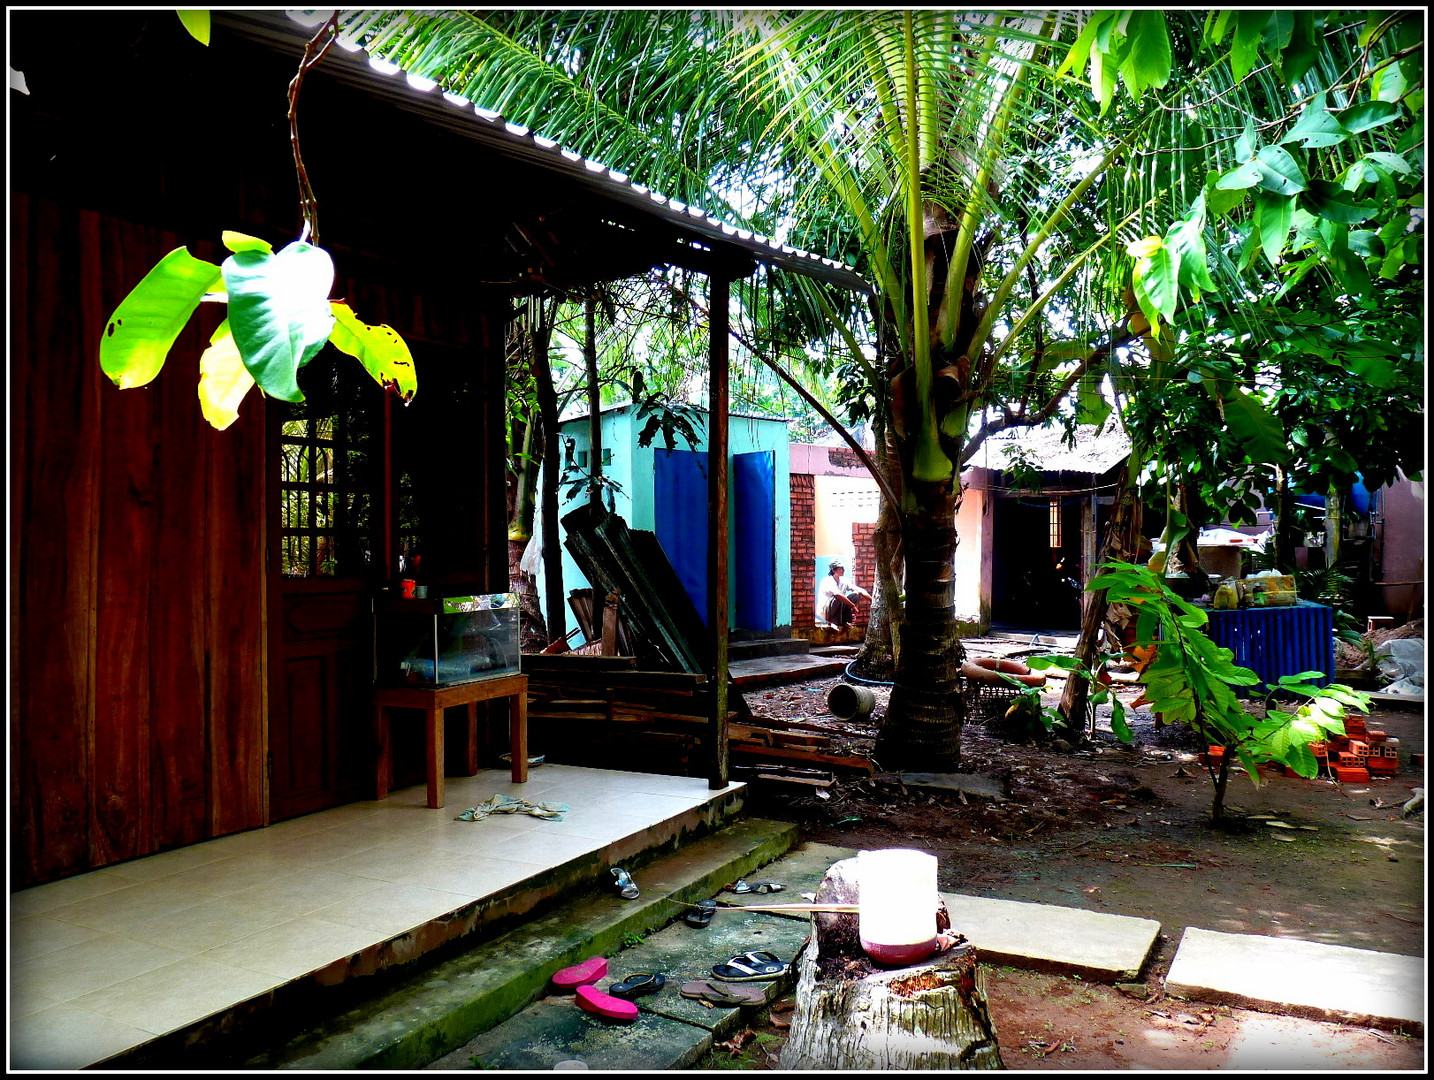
137, 546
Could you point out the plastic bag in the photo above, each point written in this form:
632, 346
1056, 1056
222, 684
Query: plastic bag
1400, 658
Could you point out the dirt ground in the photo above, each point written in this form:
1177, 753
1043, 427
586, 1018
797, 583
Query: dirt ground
1127, 830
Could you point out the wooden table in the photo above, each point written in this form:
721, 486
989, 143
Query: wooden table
432, 700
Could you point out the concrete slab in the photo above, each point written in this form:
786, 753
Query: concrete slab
1061, 940
980, 784
555, 1030
1300, 978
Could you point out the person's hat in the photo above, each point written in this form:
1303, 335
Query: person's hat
835, 564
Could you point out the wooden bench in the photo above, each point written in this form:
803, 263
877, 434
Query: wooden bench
432, 701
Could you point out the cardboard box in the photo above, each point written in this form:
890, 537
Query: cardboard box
1277, 591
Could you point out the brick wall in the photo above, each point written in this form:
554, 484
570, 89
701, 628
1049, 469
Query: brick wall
804, 549
843, 458
864, 572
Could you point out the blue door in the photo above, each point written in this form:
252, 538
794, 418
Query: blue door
680, 518
754, 567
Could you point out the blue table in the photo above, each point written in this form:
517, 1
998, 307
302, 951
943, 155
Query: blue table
1276, 641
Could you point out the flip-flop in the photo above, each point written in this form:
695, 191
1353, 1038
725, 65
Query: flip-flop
739, 886
701, 915
594, 1000
639, 982
731, 997
623, 883
768, 887
750, 967
589, 971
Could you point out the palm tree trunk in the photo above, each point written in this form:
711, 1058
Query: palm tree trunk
922, 726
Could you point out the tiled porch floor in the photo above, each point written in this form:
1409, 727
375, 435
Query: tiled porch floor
108, 960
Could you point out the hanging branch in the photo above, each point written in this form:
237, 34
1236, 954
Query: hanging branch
308, 205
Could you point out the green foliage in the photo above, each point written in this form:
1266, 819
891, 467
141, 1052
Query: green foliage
279, 312
1189, 679
140, 333
197, 23
280, 316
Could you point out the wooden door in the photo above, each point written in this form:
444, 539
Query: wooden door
325, 563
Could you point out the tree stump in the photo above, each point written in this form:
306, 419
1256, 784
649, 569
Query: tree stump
852, 1014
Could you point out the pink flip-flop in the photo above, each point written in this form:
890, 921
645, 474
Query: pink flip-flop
589, 971
614, 1008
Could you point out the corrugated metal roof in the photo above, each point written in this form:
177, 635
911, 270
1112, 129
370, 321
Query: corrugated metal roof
1045, 448
351, 64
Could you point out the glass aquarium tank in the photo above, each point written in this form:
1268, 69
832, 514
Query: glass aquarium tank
443, 641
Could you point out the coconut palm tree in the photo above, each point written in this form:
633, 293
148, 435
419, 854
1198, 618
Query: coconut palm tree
1029, 193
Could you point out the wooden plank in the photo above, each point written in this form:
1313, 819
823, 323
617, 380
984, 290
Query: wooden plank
235, 640
120, 804
859, 763
56, 625
20, 294
177, 613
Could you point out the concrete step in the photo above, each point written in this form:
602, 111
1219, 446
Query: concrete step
671, 1032
409, 1023
1300, 978
758, 647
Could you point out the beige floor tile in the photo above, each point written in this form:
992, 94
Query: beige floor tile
229, 876
392, 909
177, 994
205, 925
28, 999
42, 899
64, 1037
471, 878
67, 973
299, 894
293, 948
392, 862
35, 935
136, 900
549, 847
152, 867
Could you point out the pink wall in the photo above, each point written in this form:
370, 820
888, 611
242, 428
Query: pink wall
1402, 542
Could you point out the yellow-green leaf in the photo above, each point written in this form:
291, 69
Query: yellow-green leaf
379, 349
1149, 245
142, 329
237, 242
223, 379
197, 23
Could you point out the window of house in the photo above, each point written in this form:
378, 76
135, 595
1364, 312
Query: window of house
327, 485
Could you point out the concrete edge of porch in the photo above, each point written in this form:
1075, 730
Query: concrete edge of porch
358, 976
442, 1008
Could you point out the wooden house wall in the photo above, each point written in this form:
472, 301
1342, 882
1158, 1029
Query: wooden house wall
138, 609
142, 611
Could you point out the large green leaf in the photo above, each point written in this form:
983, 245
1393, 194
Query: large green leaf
1316, 127
1334, 203
1274, 215
223, 379
1159, 275
1186, 238
1249, 29
142, 329
1258, 431
279, 312
1278, 171
1368, 114
379, 349
1240, 177
1149, 58
197, 23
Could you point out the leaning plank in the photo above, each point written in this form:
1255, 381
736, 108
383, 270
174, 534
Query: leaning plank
859, 763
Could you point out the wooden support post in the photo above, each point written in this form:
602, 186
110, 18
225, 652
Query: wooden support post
717, 421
